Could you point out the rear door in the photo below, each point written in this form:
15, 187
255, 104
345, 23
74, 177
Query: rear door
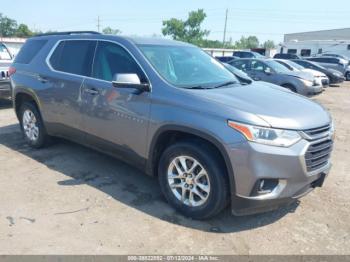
70, 62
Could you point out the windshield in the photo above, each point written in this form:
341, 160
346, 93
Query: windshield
295, 65
277, 67
4, 53
315, 65
187, 66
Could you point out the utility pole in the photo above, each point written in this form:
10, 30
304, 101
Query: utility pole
224, 40
98, 24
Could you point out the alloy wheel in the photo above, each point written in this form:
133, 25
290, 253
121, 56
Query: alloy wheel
188, 181
30, 125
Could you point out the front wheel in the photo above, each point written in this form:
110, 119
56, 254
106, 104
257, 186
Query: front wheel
193, 180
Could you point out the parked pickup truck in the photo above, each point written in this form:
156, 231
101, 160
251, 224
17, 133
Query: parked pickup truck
6, 60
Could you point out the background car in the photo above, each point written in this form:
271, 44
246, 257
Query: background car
286, 56
226, 59
336, 55
335, 77
6, 60
319, 76
247, 54
335, 63
271, 71
242, 77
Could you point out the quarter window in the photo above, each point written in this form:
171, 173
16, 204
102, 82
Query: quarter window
29, 51
112, 59
74, 56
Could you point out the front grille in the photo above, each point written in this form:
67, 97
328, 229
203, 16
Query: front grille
318, 154
316, 133
324, 82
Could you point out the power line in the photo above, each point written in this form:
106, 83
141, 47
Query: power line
98, 24
224, 39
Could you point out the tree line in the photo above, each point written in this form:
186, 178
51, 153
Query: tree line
188, 30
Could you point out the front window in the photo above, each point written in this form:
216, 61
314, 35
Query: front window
4, 53
293, 65
187, 66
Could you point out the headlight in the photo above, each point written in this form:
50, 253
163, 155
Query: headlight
307, 82
267, 136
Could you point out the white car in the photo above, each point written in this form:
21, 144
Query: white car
319, 76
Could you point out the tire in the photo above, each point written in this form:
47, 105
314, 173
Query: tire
347, 76
218, 193
33, 130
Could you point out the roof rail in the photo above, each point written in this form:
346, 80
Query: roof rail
70, 33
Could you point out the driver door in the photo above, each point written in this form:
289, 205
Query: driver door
261, 72
115, 119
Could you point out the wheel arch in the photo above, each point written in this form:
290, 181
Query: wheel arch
166, 134
22, 96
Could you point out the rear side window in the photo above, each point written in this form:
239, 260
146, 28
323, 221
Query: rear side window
74, 57
4, 53
30, 49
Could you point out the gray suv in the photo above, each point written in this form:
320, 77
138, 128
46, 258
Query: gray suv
176, 113
271, 71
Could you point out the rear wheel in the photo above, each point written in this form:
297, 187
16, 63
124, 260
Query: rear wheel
193, 180
32, 125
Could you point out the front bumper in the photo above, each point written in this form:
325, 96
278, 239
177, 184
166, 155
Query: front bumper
5, 89
312, 90
252, 162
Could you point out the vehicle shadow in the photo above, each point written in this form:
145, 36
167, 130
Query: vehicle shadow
5, 104
126, 184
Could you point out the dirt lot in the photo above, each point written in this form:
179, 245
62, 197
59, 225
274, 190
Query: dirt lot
67, 199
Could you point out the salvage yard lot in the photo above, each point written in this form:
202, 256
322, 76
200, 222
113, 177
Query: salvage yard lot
67, 199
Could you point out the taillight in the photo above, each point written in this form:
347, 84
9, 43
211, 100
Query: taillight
12, 70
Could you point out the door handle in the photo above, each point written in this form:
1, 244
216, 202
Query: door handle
91, 91
42, 79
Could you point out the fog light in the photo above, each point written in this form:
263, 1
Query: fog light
264, 186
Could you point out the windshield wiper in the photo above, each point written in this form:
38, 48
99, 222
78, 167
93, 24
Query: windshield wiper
196, 87
226, 84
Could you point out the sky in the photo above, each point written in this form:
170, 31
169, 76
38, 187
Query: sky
267, 19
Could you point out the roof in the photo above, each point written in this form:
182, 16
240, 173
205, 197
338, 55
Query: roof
96, 36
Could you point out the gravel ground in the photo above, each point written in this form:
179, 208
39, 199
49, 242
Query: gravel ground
67, 199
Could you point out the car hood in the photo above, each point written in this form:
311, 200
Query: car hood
301, 74
333, 71
277, 107
314, 72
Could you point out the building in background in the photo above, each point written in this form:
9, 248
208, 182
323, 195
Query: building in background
317, 42
14, 44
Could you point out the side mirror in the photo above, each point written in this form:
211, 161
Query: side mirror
268, 71
129, 81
